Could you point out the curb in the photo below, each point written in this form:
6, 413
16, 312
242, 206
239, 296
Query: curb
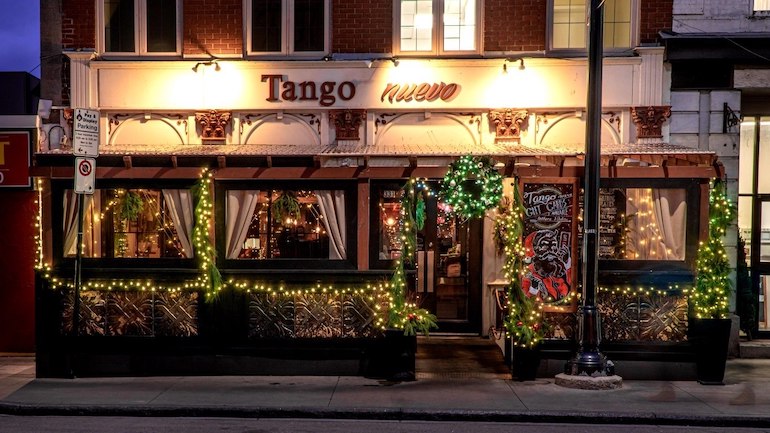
386, 414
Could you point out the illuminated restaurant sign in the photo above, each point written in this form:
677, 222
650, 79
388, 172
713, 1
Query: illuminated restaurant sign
327, 92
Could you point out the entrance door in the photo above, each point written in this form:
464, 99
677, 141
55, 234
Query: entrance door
447, 276
449, 269
754, 225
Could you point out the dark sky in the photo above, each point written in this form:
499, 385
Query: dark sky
20, 36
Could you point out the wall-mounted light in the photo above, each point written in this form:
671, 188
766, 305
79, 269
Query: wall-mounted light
514, 59
214, 62
394, 60
369, 63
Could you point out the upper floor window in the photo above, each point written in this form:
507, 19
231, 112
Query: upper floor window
569, 18
437, 26
143, 27
286, 27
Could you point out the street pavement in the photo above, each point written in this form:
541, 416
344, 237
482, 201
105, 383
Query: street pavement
744, 400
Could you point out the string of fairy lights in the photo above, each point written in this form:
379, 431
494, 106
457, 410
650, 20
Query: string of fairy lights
525, 314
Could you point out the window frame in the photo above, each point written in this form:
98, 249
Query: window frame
287, 33
295, 265
437, 35
109, 264
628, 271
140, 32
633, 40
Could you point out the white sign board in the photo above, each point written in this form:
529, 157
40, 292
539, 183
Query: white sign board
85, 133
85, 175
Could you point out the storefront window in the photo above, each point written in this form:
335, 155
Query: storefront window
287, 26
285, 224
131, 223
437, 26
642, 223
569, 17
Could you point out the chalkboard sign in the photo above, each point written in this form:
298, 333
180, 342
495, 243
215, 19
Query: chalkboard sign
612, 204
549, 234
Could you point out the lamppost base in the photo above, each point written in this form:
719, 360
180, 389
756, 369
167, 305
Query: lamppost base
588, 382
589, 363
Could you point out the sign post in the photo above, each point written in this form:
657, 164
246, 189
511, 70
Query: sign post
85, 147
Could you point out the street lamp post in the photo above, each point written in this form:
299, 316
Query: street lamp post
589, 359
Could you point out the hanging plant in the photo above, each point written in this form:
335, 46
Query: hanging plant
285, 206
130, 206
472, 186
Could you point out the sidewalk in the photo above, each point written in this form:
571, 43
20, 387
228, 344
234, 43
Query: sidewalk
743, 402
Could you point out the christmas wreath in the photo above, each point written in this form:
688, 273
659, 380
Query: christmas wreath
472, 186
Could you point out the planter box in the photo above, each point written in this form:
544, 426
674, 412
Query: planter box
710, 339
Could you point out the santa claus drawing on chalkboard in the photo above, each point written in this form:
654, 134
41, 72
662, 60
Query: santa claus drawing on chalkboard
548, 264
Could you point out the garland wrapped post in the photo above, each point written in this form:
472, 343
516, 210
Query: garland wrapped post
524, 317
402, 314
472, 186
710, 296
210, 278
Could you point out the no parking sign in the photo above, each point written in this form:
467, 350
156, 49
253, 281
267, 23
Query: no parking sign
85, 175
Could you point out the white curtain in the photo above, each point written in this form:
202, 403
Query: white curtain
656, 224
671, 216
180, 205
70, 222
239, 212
332, 205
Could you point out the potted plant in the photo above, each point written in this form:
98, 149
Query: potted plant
709, 326
526, 329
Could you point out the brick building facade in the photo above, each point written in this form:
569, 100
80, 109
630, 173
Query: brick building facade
329, 107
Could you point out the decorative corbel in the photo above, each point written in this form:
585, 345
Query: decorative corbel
649, 120
347, 123
508, 123
213, 125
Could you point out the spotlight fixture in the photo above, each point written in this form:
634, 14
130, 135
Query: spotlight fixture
505, 68
369, 63
214, 62
395, 61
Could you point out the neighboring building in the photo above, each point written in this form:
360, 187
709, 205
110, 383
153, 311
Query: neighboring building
719, 54
19, 94
310, 117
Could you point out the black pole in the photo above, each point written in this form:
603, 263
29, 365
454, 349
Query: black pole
78, 268
589, 359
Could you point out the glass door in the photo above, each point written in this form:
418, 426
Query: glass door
447, 272
753, 264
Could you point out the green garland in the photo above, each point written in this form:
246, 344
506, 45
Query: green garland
402, 314
205, 253
472, 186
524, 317
709, 298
